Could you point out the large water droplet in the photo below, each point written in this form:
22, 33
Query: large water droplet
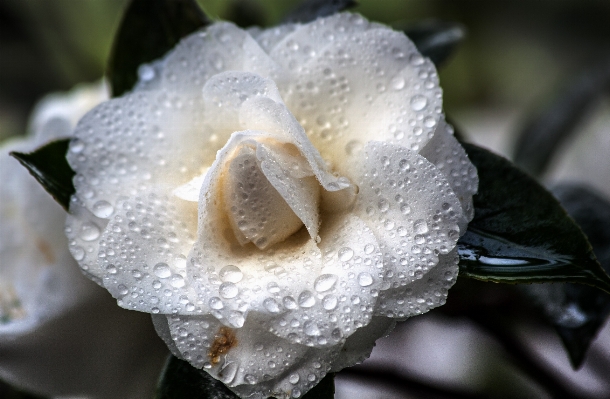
306, 299
420, 226
236, 319
325, 282
329, 302
102, 209
162, 270
216, 303
89, 231
418, 102
178, 281
289, 302
294, 378
365, 279
231, 274
228, 290
271, 305
345, 254
311, 328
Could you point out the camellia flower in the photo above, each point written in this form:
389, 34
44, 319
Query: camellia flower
60, 334
276, 198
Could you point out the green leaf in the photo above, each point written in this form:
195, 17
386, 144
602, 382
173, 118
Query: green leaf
48, 164
310, 10
520, 233
180, 380
578, 311
246, 13
547, 130
149, 29
435, 39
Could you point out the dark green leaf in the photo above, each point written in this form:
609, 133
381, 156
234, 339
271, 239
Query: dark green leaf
310, 10
180, 380
436, 40
49, 166
246, 13
149, 29
547, 130
520, 233
579, 311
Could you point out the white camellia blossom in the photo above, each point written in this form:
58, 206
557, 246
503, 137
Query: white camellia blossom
60, 334
276, 198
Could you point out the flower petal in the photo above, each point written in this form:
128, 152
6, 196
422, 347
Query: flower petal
410, 207
422, 295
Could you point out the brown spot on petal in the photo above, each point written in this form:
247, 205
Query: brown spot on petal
45, 250
225, 340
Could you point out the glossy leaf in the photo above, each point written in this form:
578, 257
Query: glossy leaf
436, 40
548, 129
49, 166
309, 10
149, 29
579, 311
180, 380
520, 233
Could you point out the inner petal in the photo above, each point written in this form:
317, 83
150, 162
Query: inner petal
257, 211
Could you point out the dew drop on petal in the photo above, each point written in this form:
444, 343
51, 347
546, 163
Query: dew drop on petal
365, 279
306, 299
89, 231
311, 328
271, 305
216, 303
236, 319
418, 102
162, 270
420, 226
178, 281
102, 209
289, 302
325, 282
294, 378
228, 290
231, 274
345, 254
329, 302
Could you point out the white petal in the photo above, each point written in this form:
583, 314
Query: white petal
358, 347
268, 38
446, 153
250, 355
422, 295
398, 102
410, 207
221, 47
142, 254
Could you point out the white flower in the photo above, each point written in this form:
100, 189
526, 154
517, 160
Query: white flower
276, 198
60, 334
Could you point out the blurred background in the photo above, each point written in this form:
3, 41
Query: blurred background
517, 59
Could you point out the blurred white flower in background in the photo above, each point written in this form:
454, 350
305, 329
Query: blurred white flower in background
60, 334
275, 198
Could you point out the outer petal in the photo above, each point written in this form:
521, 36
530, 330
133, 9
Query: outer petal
250, 355
446, 153
422, 295
398, 102
411, 209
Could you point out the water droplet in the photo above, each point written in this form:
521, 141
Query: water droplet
273, 288
271, 305
365, 279
345, 254
311, 328
122, 290
325, 282
216, 303
102, 209
329, 302
418, 102
420, 226
369, 248
289, 302
429, 121
383, 205
398, 83
89, 231
250, 379
353, 147
78, 253
236, 319
178, 281
294, 378
405, 209
228, 290
231, 274
111, 269
162, 270
306, 299
77, 146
